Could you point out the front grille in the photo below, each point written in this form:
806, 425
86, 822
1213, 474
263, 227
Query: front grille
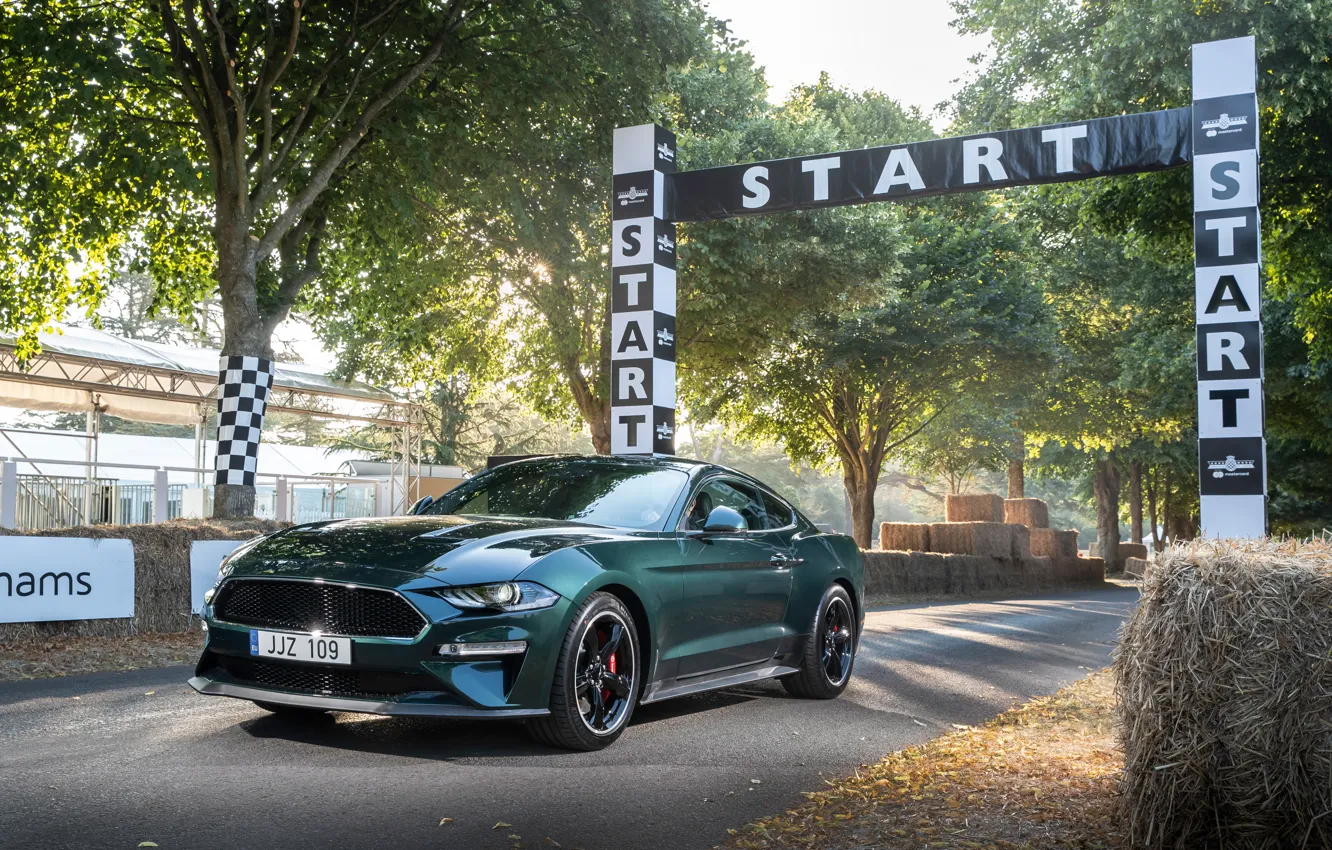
329, 681
305, 606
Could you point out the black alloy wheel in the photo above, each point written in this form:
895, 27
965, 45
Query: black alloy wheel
830, 650
597, 679
836, 641
604, 673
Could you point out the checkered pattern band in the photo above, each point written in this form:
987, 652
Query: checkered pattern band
243, 384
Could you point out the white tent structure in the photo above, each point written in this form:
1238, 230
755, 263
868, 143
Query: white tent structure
83, 370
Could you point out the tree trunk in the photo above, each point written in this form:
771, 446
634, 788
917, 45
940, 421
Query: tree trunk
1151, 512
860, 493
244, 334
1106, 487
1017, 483
595, 410
1135, 501
1167, 514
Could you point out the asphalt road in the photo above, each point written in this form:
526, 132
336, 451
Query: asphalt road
112, 760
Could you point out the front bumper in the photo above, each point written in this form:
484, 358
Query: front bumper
397, 676
210, 687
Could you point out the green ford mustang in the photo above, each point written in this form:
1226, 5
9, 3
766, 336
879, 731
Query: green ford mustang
561, 590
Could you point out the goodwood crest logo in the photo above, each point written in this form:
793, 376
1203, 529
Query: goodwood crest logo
664, 243
631, 195
1229, 466
665, 337
1225, 124
664, 431
664, 152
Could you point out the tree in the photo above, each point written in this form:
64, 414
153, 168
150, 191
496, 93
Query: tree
1073, 61
263, 125
953, 317
963, 440
1054, 61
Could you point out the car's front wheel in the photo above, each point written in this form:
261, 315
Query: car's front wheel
596, 678
825, 667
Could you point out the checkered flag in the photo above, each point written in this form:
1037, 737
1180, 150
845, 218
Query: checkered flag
243, 384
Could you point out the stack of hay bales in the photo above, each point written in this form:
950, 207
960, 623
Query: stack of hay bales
161, 575
1225, 697
975, 551
973, 508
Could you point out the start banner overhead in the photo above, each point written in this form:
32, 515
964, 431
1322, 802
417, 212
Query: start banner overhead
1123, 144
1218, 135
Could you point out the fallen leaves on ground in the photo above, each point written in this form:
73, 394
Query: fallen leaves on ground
1043, 775
43, 659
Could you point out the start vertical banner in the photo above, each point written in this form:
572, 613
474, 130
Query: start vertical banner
642, 294
1232, 463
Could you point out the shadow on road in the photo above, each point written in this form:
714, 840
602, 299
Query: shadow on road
445, 739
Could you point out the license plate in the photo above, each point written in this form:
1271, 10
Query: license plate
300, 647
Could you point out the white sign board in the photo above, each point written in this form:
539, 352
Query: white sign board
205, 560
65, 578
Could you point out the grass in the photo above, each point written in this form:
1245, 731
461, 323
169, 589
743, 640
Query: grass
1043, 775
66, 656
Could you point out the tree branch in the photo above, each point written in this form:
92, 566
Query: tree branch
324, 172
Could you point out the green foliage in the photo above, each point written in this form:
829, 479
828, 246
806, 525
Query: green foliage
1121, 267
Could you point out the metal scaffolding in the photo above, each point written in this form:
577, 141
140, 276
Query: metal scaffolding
87, 371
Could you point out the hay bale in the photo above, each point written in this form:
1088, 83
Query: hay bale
905, 536
1224, 686
1136, 567
1021, 540
1133, 550
992, 539
161, 575
904, 573
1051, 543
973, 508
1126, 550
1033, 513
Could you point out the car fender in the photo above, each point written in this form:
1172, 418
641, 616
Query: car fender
578, 572
826, 558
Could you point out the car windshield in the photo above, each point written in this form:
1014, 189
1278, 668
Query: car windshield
594, 492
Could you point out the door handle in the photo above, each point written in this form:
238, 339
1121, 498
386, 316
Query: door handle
783, 562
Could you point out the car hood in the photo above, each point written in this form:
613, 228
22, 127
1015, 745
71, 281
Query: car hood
413, 551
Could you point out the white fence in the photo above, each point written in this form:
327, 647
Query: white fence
33, 499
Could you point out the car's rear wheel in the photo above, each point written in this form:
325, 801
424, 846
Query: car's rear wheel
596, 678
825, 667
292, 712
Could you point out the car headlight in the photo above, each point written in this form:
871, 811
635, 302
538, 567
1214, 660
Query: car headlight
500, 596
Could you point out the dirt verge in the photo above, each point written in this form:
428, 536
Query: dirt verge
1043, 775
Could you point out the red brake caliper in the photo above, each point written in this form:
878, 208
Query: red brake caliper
605, 693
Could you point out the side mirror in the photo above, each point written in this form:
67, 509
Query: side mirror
421, 504
724, 520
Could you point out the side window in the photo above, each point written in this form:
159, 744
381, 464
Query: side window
779, 513
722, 492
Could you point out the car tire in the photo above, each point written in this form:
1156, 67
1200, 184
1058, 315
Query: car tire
291, 712
832, 640
581, 719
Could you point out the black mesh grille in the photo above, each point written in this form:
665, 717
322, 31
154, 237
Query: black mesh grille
331, 681
305, 606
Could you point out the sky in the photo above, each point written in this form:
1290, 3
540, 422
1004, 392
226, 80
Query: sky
903, 48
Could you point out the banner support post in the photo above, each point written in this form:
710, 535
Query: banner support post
1232, 462
642, 412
